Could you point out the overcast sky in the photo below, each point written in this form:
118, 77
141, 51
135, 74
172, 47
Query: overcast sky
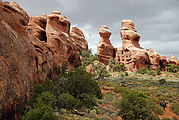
157, 21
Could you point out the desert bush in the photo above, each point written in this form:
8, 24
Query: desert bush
162, 81
79, 81
151, 72
175, 108
158, 71
100, 71
166, 119
48, 99
115, 65
135, 106
87, 57
47, 85
171, 68
40, 112
87, 100
143, 70
158, 109
67, 101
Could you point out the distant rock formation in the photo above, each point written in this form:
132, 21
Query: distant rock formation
163, 62
173, 60
31, 48
131, 54
154, 59
105, 50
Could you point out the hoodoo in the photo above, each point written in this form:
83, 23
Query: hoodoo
105, 50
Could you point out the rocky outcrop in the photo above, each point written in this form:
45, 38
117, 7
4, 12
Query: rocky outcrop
129, 35
154, 59
31, 48
54, 30
78, 38
20, 64
105, 50
131, 54
173, 60
163, 62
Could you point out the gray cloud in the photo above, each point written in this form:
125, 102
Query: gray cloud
155, 20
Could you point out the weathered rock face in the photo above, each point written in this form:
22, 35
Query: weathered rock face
154, 59
30, 49
54, 30
129, 35
105, 50
131, 54
163, 62
78, 38
21, 64
173, 60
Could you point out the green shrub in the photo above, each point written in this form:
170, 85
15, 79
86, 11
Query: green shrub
67, 101
115, 65
158, 71
175, 108
87, 57
152, 72
87, 100
166, 119
162, 81
41, 112
47, 85
136, 106
171, 68
142, 70
48, 99
101, 71
79, 81
158, 109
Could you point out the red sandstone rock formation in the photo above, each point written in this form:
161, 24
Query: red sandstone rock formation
105, 50
21, 64
163, 62
154, 59
54, 30
173, 60
131, 54
78, 38
30, 49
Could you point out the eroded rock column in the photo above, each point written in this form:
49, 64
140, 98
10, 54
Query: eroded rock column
105, 50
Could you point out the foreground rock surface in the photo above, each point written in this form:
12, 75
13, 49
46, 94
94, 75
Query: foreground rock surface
31, 48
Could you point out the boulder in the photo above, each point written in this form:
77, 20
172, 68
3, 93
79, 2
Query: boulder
105, 50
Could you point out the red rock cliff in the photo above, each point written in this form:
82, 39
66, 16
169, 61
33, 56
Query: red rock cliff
30, 50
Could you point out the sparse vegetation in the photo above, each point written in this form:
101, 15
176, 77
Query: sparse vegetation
171, 68
76, 94
115, 65
143, 70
